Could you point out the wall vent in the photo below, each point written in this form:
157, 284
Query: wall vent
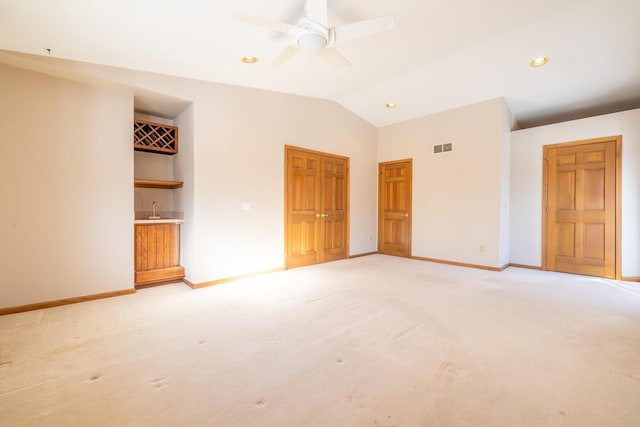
443, 148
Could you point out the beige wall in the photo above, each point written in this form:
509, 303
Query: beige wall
238, 137
526, 183
459, 198
237, 154
232, 150
239, 142
67, 168
65, 177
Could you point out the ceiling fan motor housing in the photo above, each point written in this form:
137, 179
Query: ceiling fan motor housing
310, 36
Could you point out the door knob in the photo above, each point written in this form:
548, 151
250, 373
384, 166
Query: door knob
405, 215
325, 215
318, 215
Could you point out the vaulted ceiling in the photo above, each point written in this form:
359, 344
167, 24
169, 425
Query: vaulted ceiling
440, 54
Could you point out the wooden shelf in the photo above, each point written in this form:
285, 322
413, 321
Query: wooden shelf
157, 183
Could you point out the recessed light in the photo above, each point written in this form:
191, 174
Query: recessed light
539, 61
249, 59
391, 105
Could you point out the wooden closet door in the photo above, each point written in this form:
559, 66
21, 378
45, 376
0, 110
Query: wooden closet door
581, 209
316, 207
304, 202
334, 207
394, 213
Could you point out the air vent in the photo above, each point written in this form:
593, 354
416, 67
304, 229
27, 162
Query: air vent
443, 148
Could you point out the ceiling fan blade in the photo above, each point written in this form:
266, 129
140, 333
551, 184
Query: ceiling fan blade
286, 55
280, 27
362, 28
333, 57
317, 11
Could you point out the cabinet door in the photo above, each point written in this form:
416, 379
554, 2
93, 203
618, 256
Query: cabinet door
157, 246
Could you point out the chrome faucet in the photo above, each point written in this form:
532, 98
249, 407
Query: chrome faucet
153, 207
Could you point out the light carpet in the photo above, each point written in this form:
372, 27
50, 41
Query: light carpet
372, 341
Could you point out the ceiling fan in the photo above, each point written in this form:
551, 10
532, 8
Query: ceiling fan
313, 34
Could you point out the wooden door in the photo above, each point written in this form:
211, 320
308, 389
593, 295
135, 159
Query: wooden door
316, 208
581, 208
394, 212
333, 212
303, 207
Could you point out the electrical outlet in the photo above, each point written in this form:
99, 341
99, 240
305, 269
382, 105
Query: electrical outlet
481, 248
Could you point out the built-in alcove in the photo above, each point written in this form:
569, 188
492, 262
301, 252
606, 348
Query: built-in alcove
163, 245
154, 174
157, 224
150, 168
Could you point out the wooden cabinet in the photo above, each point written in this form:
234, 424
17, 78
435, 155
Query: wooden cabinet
157, 253
155, 137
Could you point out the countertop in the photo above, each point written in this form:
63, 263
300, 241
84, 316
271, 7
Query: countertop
159, 221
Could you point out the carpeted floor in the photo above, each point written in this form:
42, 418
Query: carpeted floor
373, 341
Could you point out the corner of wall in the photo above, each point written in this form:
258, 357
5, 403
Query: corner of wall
183, 170
505, 186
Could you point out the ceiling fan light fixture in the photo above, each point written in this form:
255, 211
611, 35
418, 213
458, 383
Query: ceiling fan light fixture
539, 61
249, 59
311, 41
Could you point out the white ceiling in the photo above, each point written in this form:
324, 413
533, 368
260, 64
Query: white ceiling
441, 54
